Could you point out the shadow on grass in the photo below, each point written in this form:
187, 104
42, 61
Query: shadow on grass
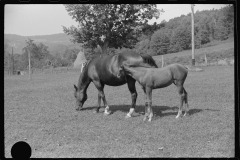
140, 110
157, 110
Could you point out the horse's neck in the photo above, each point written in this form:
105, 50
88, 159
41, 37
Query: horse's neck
135, 73
84, 80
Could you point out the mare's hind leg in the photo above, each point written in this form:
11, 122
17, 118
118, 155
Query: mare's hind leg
182, 97
101, 94
186, 102
132, 89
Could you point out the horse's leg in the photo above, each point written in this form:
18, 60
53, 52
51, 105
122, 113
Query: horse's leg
151, 112
182, 97
146, 111
101, 94
99, 103
186, 102
132, 89
146, 104
149, 101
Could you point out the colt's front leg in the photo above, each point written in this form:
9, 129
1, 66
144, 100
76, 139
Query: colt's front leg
149, 101
146, 111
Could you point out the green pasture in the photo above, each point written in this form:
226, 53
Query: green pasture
42, 113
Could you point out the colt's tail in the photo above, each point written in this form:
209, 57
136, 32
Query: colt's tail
149, 60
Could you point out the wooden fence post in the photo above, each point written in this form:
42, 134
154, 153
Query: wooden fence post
162, 61
205, 56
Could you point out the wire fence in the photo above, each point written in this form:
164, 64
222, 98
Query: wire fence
57, 70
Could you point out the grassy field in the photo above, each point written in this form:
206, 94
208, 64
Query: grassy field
42, 113
224, 50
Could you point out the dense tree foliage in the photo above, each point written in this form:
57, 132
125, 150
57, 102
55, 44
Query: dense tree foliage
109, 25
112, 28
175, 35
160, 42
39, 54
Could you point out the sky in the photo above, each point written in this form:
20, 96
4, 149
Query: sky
46, 19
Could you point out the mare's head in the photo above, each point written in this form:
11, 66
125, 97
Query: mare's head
81, 97
83, 83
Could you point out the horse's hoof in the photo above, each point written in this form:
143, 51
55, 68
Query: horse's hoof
128, 116
95, 111
186, 114
144, 119
107, 113
78, 109
177, 116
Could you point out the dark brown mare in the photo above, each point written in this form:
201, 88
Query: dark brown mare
153, 78
102, 70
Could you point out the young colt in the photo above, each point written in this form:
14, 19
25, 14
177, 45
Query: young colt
153, 78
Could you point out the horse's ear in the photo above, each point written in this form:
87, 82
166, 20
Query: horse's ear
75, 87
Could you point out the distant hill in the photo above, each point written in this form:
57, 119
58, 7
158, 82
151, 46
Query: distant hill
57, 43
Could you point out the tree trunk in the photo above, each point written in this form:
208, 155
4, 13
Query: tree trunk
105, 47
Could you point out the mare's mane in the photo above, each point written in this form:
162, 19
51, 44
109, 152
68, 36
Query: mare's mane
83, 75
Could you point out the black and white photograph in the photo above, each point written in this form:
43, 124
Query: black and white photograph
119, 81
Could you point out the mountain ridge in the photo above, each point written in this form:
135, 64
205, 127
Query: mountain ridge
57, 43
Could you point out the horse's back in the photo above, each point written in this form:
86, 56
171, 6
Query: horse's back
179, 71
104, 69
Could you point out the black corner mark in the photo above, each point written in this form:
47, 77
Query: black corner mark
21, 150
54, 0
83, 0
24, 1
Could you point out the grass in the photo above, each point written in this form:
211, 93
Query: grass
42, 113
214, 53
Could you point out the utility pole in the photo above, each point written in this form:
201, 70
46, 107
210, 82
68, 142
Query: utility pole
12, 62
193, 46
29, 66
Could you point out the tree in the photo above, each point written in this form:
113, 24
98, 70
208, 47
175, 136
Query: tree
180, 39
7, 57
148, 29
39, 54
109, 25
224, 23
70, 55
160, 42
143, 46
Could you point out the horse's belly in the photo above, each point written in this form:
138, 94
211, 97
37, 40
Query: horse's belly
162, 81
113, 81
162, 85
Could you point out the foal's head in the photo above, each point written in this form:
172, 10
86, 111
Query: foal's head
122, 67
